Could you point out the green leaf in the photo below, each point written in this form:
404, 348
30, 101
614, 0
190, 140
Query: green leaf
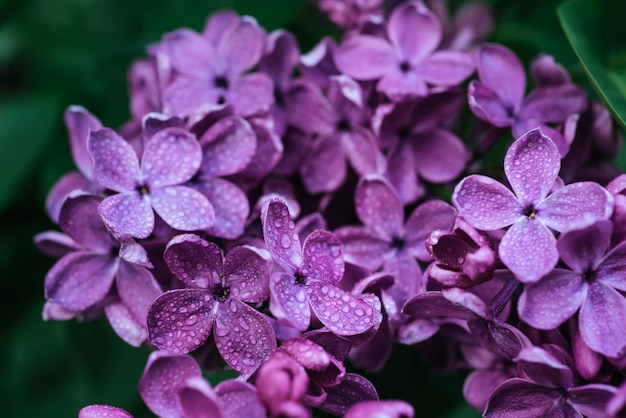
27, 125
595, 32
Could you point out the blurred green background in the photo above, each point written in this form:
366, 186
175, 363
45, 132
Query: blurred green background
54, 53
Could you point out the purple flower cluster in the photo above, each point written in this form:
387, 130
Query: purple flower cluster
288, 226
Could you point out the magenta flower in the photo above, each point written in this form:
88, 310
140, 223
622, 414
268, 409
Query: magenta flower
593, 286
181, 320
386, 240
336, 130
499, 96
172, 386
549, 390
531, 165
310, 278
171, 157
93, 262
407, 63
209, 71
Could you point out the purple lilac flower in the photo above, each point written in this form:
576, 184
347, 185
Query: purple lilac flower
209, 71
318, 65
499, 96
171, 157
406, 63
548, 390
181, 320
84, 276
531, 165
386, 241
336, 127
310, 278
103, 411
172, 386
592, 287
420, 145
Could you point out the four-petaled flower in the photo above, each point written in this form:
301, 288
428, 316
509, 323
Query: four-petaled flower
531, 165
310, 278
181, 320
171, 157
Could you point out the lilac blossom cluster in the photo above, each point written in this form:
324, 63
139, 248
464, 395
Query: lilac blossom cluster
286, 226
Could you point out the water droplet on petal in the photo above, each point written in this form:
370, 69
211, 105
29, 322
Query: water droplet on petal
191, 320
285, 241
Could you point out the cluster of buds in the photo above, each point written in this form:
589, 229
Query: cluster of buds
289, 227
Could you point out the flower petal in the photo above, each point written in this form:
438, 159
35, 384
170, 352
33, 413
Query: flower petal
611, 271
553, 104
288, 301
552, 300
427, 217
189, 53
528, 249
247, 274
390, 409
342, 313
324, 168
194, 261
163, 378
239, 399
323, 257
171, 157
414, 45
353, 388
362, 248
531, 165
600, 320
103, 411
591, 400
281, 238
440, 156
183, 208
127, 214
116, 166
447, 68
241, 45
487, 105
378, 207
485, 203
244, 337
252, 94
79, 219
516, 395
180, 320
230, 205
80, 280
583, 249
137, 288
576, 204
80, 123
125, 324
365, 57
502, 73
227, 147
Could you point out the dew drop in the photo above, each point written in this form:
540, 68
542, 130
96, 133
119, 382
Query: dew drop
285, 241
191, 320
